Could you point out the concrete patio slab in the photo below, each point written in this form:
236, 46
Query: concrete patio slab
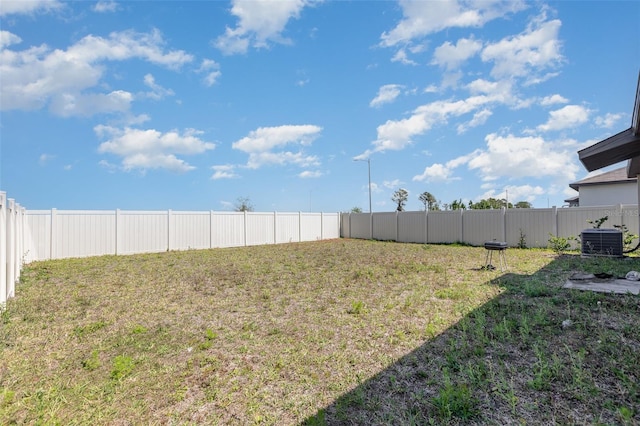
619, 286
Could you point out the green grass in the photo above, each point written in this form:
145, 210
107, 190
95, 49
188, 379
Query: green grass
331, 332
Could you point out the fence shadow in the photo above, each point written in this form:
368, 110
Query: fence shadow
525, 357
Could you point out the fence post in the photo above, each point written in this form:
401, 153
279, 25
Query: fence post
275, 227
426, 226
210, 228
554, 212
169, 230
19, 240
504, 224
397, 225
371, 225
52, 234
3, 247
461, 226
11, 247
321, 226
117, 231
245, 227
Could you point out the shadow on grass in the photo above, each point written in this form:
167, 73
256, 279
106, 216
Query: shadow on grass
536, 354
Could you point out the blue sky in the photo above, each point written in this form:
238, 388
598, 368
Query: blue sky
190, 105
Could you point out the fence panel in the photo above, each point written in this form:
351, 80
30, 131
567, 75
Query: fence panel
631, 219
287, 227
572, 221
479, 226
330, 226
189, 230
444, 226
228, 229
361, 225
37, 235
11, 248
143, 232
534, 224
385, 226
260, 228
83, 233
412, 227
345, 225
3, 247
311, 226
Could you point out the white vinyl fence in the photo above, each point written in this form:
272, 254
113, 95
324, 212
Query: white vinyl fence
57, 234
31, 235
474, 227
11, 245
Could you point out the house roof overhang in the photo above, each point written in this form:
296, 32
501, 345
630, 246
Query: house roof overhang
623, 146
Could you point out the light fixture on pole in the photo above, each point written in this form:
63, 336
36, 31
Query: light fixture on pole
368, 160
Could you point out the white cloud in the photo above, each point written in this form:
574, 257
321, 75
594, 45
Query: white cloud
442, 172
452, 56
308, 174
528, 53
391, 184
104, 6
513, 157
398, 134
569, 116
434, 172
421, 18
386, 94
151, 149
211, 69
45, 158
402, 57
259, 159
261, 22
157, 92
8, 7
479, 118
224, 171
608, 120
263, 145
7, 39
81, 104
514, 193
267, 138
553, 100
64, 79
527, 156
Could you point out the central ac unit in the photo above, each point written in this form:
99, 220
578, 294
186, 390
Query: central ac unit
602, 242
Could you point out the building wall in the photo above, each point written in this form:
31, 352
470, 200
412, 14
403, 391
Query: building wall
609, 194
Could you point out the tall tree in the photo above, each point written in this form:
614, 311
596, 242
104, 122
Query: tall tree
523, 205
243, 204
490, 203
429, 201
457, 205
400, 198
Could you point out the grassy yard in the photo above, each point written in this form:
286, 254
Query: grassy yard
331, 332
